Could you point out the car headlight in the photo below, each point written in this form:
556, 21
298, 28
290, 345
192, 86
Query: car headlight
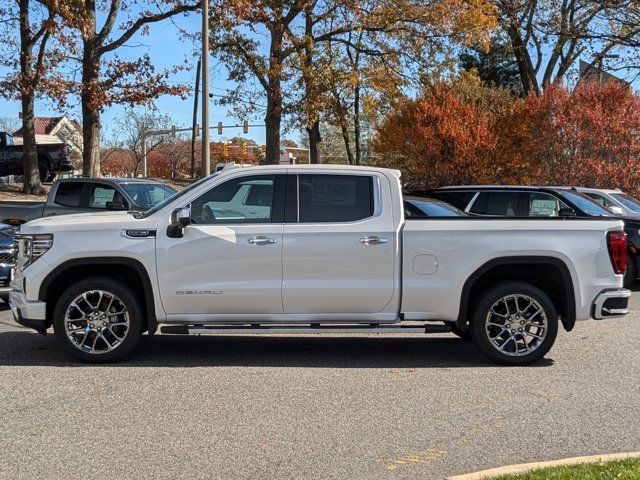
32, 247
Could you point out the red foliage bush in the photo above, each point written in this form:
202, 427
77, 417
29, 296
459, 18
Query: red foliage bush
454, 134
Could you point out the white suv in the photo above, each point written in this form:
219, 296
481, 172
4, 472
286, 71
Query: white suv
616, 201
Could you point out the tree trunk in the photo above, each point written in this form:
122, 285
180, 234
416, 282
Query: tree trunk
274, 99
523, 60
314, 140
313, 122
347, 143
272, 122
90, 99
31, 173
32, 184
356, 124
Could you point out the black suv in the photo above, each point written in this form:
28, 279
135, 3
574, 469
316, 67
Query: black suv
538, 202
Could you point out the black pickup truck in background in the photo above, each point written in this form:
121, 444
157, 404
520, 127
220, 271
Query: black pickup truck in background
84, 195
53, 158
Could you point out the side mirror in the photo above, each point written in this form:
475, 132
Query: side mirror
180, 218
567, 212
616, 210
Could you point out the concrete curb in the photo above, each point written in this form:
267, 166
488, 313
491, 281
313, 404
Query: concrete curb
525, 467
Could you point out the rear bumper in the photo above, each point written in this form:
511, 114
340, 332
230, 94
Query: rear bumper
26, 313
611, 303
62, 165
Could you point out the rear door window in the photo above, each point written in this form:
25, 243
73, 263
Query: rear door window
69, 194
334, 198
501, 204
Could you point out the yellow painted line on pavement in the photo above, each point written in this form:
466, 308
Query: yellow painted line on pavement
430, 455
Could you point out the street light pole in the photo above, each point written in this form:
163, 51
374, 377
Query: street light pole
144, 154
206, 160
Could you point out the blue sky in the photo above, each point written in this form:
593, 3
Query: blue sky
166, 48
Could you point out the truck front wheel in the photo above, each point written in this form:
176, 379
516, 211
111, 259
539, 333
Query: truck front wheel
514, 323
98, 320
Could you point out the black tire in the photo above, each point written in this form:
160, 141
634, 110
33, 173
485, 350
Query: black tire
125, 300
631, 274
43, 168
515, 354
464, 334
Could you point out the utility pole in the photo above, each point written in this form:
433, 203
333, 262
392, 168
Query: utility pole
195, 122
144, 154
206, 160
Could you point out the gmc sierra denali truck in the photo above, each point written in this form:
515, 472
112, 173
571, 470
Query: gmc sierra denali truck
312, 249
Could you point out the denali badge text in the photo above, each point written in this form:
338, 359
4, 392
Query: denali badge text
198, 292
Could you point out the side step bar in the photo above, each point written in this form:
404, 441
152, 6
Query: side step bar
299, 329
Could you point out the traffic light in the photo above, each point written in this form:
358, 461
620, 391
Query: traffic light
225, 149
197, 132
173, 131
244, 147
263, 149
219, 128
245, 127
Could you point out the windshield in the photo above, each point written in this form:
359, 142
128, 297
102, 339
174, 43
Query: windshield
175, 196
148, 194
628, 201
431, 208
586, 204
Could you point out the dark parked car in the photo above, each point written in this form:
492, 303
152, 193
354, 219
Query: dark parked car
79, 195
539, 202
52, 158
421, 207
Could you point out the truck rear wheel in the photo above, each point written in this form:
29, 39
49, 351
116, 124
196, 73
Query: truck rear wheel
45, 173
514, 323
98, 320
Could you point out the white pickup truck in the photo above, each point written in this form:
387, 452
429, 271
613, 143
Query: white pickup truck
312, 249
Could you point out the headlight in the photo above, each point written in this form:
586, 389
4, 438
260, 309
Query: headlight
32, 247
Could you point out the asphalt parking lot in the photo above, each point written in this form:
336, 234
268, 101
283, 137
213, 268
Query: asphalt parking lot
313, 407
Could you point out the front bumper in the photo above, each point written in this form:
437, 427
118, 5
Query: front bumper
611, 303
27, 313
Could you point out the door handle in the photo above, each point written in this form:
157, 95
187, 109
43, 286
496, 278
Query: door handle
262, 241
373, 240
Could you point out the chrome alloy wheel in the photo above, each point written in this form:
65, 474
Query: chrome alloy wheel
96, 322
516, 325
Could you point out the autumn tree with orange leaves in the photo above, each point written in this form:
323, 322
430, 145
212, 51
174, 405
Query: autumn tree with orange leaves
102, 29
466, 133
294, 31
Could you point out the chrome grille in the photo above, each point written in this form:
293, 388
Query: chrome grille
7, 257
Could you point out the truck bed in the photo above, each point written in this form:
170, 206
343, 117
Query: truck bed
435, 267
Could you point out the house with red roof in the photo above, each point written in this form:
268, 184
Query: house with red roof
56, 130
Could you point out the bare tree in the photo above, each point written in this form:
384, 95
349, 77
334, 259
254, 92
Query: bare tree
549, 36
9, 124
132, 127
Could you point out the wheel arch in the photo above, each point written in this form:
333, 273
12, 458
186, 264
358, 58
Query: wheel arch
127, 270
550, 274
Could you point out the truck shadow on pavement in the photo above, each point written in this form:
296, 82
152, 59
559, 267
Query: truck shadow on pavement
26, 348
